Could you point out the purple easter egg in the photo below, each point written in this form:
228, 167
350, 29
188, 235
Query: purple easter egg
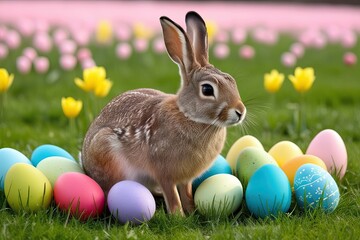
129, 201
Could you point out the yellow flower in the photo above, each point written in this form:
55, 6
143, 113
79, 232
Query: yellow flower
103, 88
141, 31
273, 81
303, 79
71, 107
91, 78
211, 28
5, 80
104, 32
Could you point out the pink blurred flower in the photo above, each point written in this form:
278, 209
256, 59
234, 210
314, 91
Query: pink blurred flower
60, 35
67, 47
159, 45
297, 49
239, 35
23, 64
3, 32
12, 39
88, 63
312, 38
67, 62
123, 50
141, 44
41, 25
42, 42
82, 37
26, 27
266, 36
30, 53
247, 52
221, 50
3, 51
83, 53
348, 39
288, 59
123, 32
41, 64
333, 33
350, 58
222, 36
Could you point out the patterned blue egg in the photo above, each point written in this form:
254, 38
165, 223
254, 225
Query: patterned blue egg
314, 187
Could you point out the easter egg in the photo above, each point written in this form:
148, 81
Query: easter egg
330, 147
240, 144
291, 166
249, 160
79, 194
27, 188
8, 157
48, 150
219, 166
268, 192
315, 188
129, 201
219, 195
53, 167
283, 151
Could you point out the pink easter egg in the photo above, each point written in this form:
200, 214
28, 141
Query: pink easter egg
123, 50
23, 64
13, 39
350, 58
330, 147
67, 62
83, 53
288, 59
221, 50
42, 42
158, 45
141, 45
297, 49
239, 35
247, 52
67, 47
41, 64
30, 53
79, 194
88, 63
4, 51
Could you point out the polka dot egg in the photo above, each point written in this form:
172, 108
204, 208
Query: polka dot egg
314, 188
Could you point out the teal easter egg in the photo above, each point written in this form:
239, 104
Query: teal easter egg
8, 157
249, 160
53, 167
48, 150
315, 188
220, 165
268, 192
219, 195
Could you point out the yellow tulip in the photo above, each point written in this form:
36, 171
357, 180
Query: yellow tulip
273, 81
103, 88
303, 79
91, 78
104, 32
5, 80
71, 107
141, 31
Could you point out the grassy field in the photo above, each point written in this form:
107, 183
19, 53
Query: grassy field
33, 117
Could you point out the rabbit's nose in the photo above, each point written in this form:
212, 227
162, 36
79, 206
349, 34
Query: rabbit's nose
239, 115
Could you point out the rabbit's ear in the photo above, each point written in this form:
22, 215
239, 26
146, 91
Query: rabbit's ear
178, 45
196, 30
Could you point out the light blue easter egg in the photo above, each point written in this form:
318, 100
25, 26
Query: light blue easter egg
8, 157
220, 165
314, 187
48, 150
268, 192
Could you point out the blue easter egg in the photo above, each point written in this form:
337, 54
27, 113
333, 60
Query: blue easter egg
268, 192
219, 166
314, 187
48, 150
8, 157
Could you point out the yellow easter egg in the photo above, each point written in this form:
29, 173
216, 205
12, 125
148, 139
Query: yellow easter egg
284, 151
27, 188
291, 166
238, 146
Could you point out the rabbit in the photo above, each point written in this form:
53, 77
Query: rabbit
164, 141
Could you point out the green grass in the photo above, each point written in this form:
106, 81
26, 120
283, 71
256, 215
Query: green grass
34, 117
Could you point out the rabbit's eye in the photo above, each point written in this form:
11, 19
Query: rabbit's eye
207, 90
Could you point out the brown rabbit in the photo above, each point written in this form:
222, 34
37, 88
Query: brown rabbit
163, 140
